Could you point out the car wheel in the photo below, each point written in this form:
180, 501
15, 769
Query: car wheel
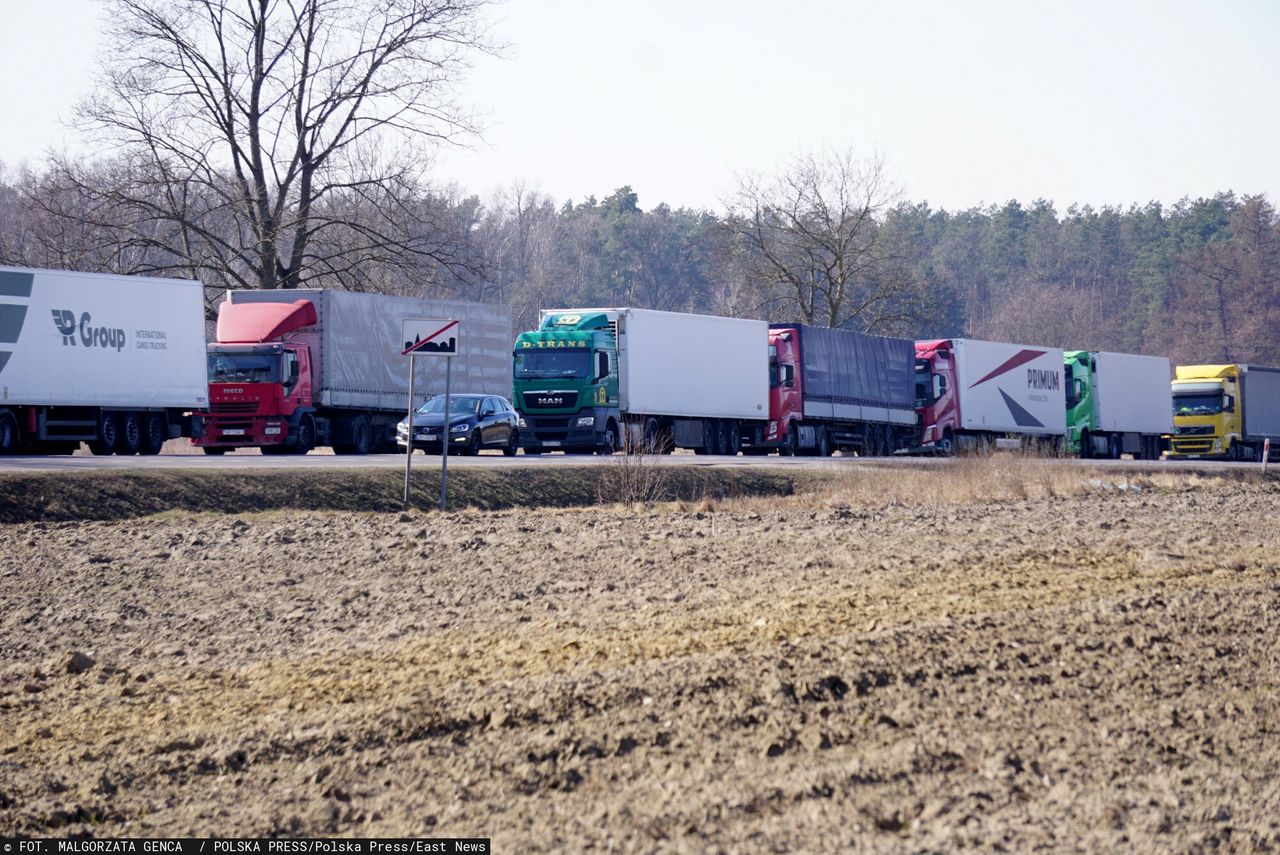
473, 443
513, 443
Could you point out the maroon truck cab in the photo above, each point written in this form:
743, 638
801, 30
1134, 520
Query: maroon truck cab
937, 404
786, 395
260, 380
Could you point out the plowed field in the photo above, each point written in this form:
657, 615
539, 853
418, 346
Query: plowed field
1095, 671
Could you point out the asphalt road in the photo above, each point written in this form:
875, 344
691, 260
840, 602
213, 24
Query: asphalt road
328, 461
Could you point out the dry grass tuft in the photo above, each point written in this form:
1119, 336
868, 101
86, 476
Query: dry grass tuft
633, 476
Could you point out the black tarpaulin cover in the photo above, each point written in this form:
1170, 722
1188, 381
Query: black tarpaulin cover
847, 367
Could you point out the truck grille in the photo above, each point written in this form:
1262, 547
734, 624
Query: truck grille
237, 407
1195, 430
550, 400
1192, 446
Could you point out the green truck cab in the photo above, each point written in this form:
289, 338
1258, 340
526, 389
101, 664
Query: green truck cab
1117, 403
565, 384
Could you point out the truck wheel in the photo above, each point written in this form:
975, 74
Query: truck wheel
791, 446
735, 439
130, 434
155, 430
722, 438
610, 444
8, 433
108, 435
1086, 449
513, 443
824, 442
1114, 446
652, 436
947, 445
361, 437
306, 436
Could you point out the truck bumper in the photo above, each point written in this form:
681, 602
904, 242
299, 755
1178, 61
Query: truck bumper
558, 433
213, 431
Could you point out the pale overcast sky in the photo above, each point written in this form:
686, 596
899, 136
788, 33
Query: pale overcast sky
969, 102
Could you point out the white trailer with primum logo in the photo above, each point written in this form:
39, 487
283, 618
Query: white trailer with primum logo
117, 362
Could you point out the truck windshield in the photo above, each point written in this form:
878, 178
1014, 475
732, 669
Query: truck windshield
244, 368
553, 363
924, 384
1197, 404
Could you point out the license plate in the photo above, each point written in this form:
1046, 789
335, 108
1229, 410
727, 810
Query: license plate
233, 432
554, 443
428, 437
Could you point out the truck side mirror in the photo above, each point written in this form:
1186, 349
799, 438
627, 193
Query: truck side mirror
602, 366
1228, 403
939, 386
293, 371
788, 375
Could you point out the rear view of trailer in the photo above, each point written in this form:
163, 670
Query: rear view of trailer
856, 377
694, 366
1260, 389
1010, 388
1134, 394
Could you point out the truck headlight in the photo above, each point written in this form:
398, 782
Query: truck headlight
586, 421
1217, 445
459, 428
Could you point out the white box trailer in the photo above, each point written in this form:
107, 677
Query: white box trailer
701, 366
1010, 388
112, 360
1134, 395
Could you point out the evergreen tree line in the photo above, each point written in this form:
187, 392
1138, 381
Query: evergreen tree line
1198, 281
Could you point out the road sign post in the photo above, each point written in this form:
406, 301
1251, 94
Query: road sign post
431, 337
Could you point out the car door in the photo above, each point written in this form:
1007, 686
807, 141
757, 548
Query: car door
490, 423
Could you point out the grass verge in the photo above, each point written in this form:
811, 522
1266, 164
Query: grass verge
30, 497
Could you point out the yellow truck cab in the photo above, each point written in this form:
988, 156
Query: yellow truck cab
1225, 411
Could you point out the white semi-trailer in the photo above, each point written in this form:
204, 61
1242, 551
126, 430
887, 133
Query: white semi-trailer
588, 377
114, 361
974, 393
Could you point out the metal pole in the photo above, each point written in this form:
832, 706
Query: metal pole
446, 437
1266, 454
408, 450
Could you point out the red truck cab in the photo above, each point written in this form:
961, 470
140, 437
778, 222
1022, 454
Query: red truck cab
937, 404
260, 380
786, 396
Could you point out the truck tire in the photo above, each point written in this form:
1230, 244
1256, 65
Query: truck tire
361, 438
824, 442
722, 438
947, 445
791, 445
709, 439
652, 436
8, 433
610, 444
1114, 446
305, 438
155, 430
108, 435
130, 434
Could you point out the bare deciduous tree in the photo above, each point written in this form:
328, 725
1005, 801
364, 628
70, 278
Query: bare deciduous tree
271, 143
815, 244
